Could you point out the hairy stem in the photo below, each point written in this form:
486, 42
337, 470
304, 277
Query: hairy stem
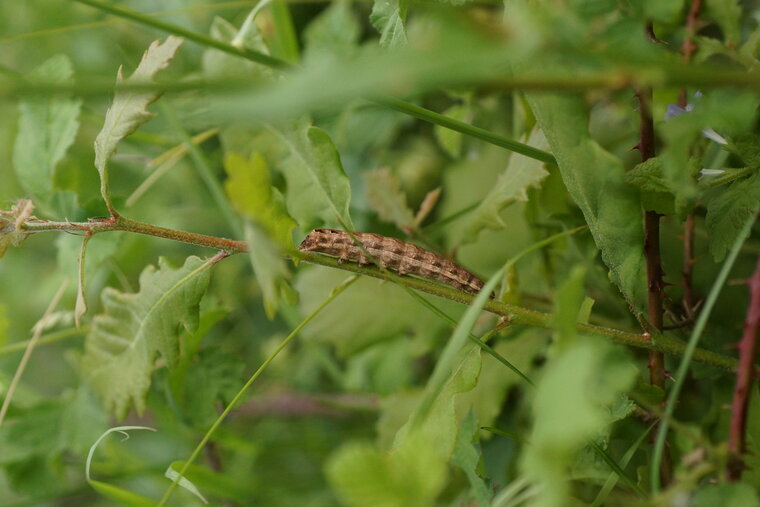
517, 314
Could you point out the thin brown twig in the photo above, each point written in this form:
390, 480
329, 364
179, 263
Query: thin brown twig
744, 378
688, 47
687, 50
657, 372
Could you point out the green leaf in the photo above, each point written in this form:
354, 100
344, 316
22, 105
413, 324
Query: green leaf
81, 420
726, 494
213, 377
250, 190
32, 432
388, 18
728, 212
222, 484
333, 34
747, 146
440, 424
318, 192
568, 300
450, 140
47, 127
495, 381
272, 273
512, 185
114, 492
129, 109
647, 176
409, 477
655, 190
284, 40
385, 197
216, 63
133, 328
594, 179
663, 11
414, 472
572, 404
249, 187
121, 495
172, 473
468, 457
728, 14
375, 311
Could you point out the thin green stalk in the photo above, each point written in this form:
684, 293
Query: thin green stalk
502, 433
517, 315
521, 316
451, 218
199, 448
398, 104
467, 129
202, 39
46, 339
690, 349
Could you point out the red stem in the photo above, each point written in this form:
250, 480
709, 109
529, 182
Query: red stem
654, 264
744, 378
688, 47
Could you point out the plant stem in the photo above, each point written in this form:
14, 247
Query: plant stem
654, 264
744, 378
183, 32
122, 223
46, 339
465, 128
517, 315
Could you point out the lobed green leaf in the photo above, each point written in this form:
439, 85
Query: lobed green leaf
728, 212
594, 179
129, 109
134, 328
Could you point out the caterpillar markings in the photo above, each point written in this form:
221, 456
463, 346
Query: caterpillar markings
391, 253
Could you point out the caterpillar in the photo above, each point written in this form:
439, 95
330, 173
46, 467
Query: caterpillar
391, 253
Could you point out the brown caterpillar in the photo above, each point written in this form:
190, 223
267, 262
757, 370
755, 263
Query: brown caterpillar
391, 253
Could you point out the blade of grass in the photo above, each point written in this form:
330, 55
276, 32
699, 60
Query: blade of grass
612, 479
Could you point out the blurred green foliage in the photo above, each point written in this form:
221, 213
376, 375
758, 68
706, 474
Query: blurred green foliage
236, 148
